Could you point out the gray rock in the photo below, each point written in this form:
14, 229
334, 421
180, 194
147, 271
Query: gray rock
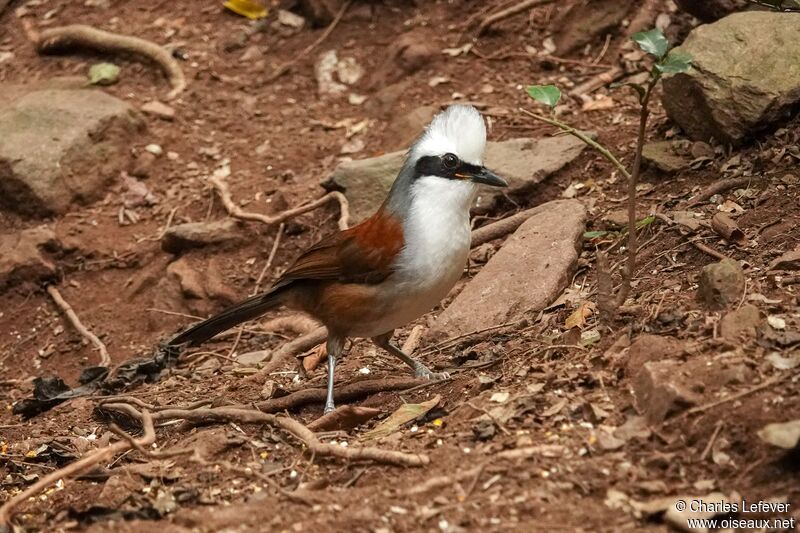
523, 162
721, 284
659, 391
788, 261
62, 146
22, 258
367, 182
183, 237
662, 155
745, 77
742, 322
532, 268
646, 348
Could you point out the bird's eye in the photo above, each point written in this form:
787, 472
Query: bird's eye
450, 161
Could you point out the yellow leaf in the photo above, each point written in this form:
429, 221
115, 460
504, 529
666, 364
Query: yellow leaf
247, 8
404, 414
578, 318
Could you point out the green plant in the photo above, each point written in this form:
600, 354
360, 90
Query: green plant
666, 61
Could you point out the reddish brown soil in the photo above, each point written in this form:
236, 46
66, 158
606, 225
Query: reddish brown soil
229, 109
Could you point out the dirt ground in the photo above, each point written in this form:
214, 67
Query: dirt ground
572, 472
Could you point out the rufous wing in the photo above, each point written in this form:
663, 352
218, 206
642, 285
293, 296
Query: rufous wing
365, 253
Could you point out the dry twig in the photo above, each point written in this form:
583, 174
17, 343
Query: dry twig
83, 464
105, 359
82, 35
235, 211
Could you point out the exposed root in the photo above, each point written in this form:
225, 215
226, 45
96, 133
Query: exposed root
235, 211
105, 359
350, 392
708, 250
87, 462
86, 36
289, 350
298, 324
298, 430
519, 7
718, 187
501, 228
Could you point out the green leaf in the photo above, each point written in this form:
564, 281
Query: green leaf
645, 222
675, 62
595, 234
548, 95
653, 42
103, 74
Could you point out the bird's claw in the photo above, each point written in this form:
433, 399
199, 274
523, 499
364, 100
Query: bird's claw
425, 373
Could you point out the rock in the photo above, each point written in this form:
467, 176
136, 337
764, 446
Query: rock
787, 261
531, 269
523, 162
662, 155
646, 348
140, 167
405, 55
582, 22
22, 258
182, 237
659, 392
189, 279
738, 84
320, 12
406, 127
721, 284
742, 322
157, 109
324, 69
62, 146
784, 435
367, 181
711, 10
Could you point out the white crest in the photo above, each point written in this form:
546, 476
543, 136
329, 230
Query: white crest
458, 130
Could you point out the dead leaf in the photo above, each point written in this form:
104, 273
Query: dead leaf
555, 408
315, 357
578, 317
404, 414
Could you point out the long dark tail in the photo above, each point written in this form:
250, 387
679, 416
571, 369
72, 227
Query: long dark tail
245, 310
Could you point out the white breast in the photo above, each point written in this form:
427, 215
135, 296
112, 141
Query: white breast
437, 243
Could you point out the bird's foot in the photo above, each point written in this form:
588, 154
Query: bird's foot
422, 371
328, 408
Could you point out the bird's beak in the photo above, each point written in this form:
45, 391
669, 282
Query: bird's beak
485, 176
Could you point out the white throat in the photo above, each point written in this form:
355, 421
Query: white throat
436, 232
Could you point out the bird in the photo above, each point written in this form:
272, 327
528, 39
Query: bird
395, 266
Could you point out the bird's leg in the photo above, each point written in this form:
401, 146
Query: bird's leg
420, 370
334, 346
